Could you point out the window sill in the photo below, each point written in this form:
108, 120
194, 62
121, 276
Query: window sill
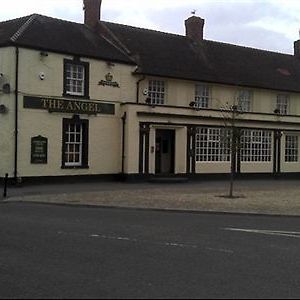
75, 167
76, 96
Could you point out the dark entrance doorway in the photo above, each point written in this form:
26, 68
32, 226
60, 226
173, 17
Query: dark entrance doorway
165, 151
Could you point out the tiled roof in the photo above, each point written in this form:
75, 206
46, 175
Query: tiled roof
41, 32
177, 56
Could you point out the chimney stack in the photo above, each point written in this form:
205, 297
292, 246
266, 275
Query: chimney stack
297, 49
91, 12
194, 28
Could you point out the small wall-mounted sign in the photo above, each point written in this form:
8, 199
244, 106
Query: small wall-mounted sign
109, 81
39, 150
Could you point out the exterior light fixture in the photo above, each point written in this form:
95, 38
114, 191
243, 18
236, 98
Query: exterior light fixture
192, 104
277, 111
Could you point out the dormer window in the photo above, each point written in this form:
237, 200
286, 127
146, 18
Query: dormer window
202, 95
282, 105
76, 75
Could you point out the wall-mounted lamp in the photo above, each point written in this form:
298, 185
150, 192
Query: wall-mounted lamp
277, 111
110, 64
44, 54
6, 88
3, 109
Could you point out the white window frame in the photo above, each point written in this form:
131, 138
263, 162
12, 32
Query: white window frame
245, 98
75, 79
256, 146
74, 146
212, 145
157, 92
283, 103
202, 95
291, 148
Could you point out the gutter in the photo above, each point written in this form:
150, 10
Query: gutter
16, 114
123, 141
138, 88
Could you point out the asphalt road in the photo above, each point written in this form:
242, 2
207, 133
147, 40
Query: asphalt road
49, 251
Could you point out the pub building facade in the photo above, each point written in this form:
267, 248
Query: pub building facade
106, 99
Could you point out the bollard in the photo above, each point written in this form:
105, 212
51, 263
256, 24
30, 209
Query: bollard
5, 186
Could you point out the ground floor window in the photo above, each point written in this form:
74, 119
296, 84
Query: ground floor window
212, 144
256, 146
291, 148
75, 143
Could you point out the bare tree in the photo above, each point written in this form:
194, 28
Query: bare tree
230, 114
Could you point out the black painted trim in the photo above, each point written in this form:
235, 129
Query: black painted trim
86, 65
144, 151
181, 116
85, 150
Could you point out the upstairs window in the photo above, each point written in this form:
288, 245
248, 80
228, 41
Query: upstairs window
282, 105
157, 92
245, 100
76, 76
202, 95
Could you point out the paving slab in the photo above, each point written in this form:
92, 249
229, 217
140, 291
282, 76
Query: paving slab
273, 197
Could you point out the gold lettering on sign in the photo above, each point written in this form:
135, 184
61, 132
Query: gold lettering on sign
45, 103
77, 106
60, 104
70, 106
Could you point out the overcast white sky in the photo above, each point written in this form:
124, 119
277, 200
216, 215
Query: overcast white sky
267, 24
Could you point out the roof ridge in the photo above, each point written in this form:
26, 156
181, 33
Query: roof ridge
146, 29
21, 30
248, 47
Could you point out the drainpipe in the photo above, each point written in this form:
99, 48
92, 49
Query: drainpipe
138, 88
16, 114
123, 141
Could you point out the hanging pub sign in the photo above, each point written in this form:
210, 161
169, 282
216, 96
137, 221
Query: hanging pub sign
39, 150
69, 106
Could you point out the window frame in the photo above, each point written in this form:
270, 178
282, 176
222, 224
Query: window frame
283, 108
84, 128
86, 68
204, 97
160, 88
256, 146
213, 145
245, 104
291, 154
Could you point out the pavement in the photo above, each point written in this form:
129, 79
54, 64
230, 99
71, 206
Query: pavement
267, 197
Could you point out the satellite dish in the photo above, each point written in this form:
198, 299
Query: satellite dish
6, 88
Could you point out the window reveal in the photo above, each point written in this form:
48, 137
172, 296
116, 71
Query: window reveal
76, 78
282, 104
212, 144
256, 146
202, 95
291, 148
157, 92
75, 143
244, 100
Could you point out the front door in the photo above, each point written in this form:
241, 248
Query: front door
165, 151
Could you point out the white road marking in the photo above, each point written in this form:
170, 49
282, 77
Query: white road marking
168, 244
220, 250
294, 234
